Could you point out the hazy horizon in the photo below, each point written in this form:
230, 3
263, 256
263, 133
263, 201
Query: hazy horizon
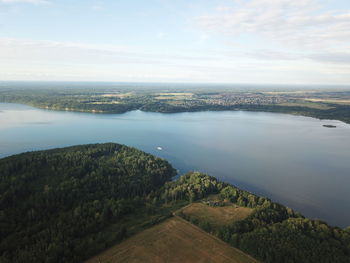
165, 85
269, 42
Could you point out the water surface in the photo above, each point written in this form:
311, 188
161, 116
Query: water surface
291, 159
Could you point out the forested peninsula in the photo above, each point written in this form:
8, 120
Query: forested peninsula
69, 204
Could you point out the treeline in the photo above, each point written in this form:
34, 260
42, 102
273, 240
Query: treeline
273, 232
291, 240
77, 100
335, 112
58, 205
66, 205
86, 100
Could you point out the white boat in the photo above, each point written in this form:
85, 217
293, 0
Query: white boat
159, 148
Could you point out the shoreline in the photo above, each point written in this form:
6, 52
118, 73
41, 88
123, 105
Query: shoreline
246, 108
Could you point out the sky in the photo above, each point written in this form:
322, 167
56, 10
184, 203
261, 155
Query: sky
199, 41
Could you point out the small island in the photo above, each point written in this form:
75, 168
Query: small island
329, 126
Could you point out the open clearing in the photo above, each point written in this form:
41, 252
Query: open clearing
117, 95
105, 102
308, 104
337, 101
174, 96
289, 92
174, 240
217, 216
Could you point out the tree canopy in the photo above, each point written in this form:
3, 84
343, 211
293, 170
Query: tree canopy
55, 203
66, 205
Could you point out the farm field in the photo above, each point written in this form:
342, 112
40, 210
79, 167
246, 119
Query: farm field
327, 100
216, 216
174, 240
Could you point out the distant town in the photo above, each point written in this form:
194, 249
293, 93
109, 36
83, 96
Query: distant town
318, 103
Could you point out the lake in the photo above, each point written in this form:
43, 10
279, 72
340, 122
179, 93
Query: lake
293, 160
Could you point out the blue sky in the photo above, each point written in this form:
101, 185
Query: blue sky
216, 41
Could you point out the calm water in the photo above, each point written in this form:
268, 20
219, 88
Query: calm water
291, 159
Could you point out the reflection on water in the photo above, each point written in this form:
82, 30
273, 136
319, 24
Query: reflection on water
291, 159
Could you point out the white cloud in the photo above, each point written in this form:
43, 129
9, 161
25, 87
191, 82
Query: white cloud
41, 50
332, 57
301, 24
292, 41
321, 57
24, 59
32, 59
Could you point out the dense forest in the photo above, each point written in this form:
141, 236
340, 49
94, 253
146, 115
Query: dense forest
57, 205
66, 205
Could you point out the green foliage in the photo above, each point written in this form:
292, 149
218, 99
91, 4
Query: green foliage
57, 205
273, 232
243, 198
336, 112
65, 205
191, 187
296, 240
93, 100
73, 100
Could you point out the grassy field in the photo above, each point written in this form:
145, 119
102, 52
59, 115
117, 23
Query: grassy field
216, 216
336, 101
174, 240
117, 95
308, 104
174, 96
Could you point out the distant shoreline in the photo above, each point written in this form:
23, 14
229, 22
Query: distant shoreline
247, 109
319, 104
